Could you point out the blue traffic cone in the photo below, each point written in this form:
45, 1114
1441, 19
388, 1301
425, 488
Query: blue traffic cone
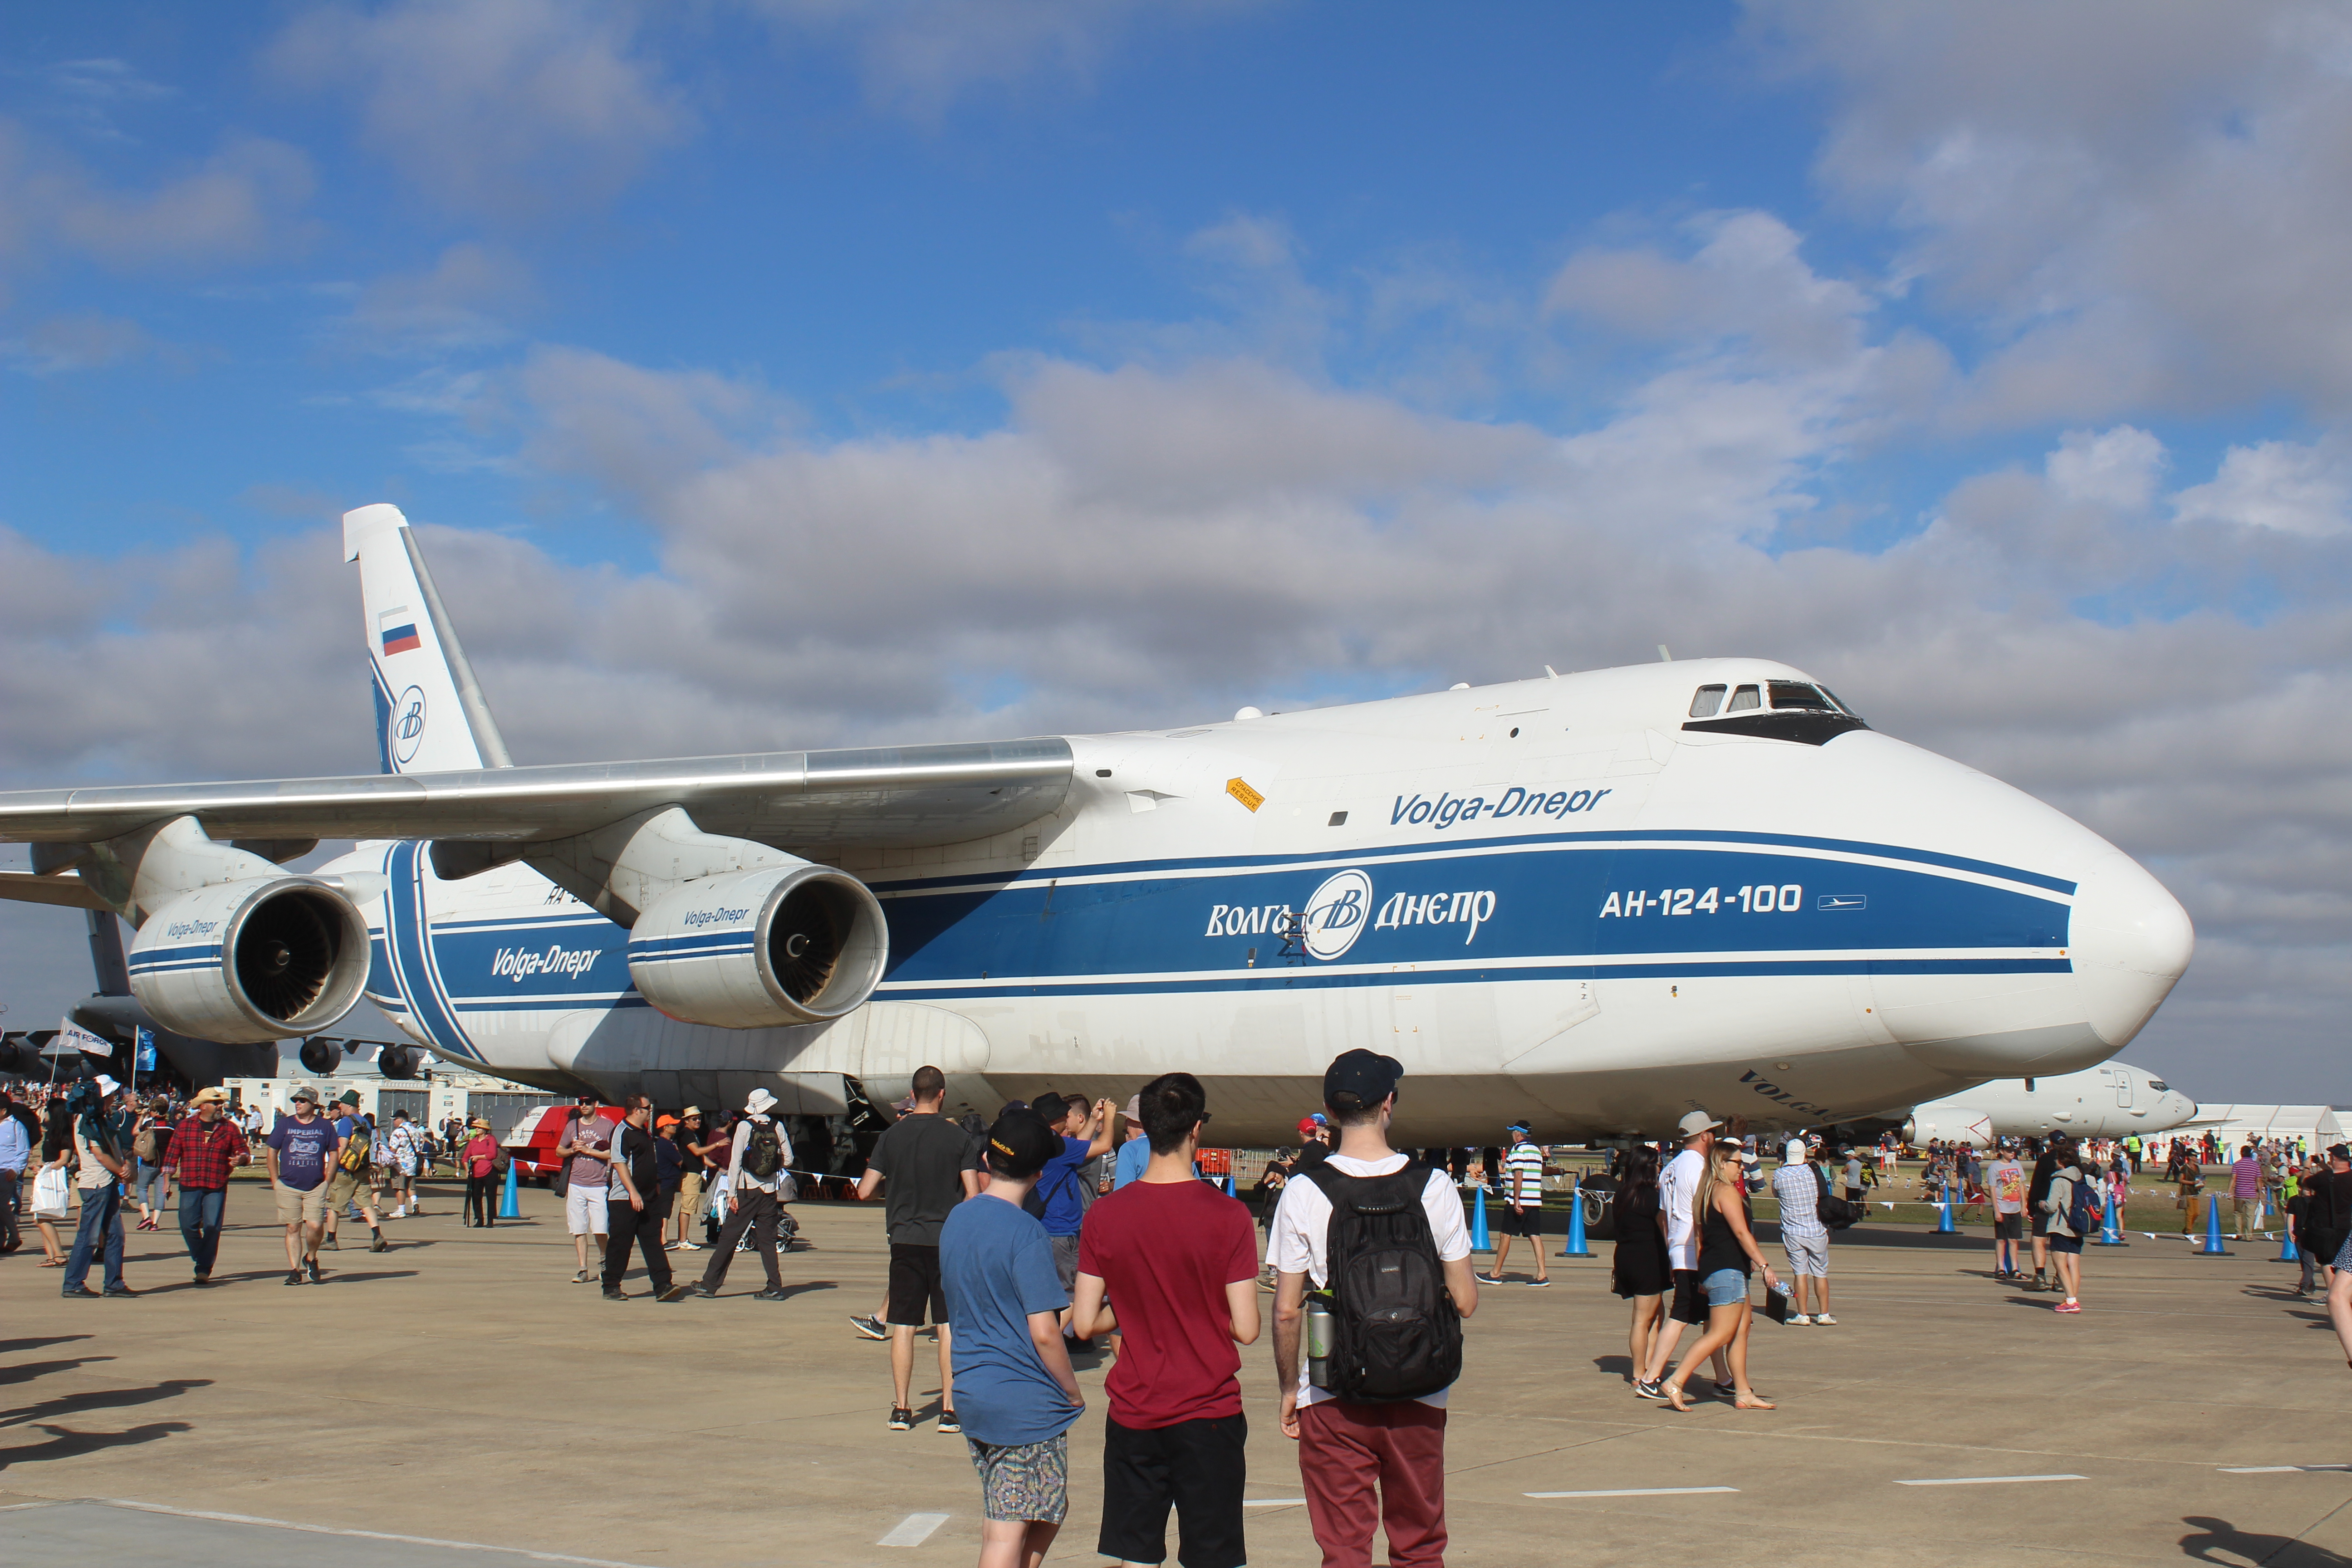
2212, 1248
1479, 1241
2289, 1253
2111, 1233
1229, 1183
1944, 1225
510, 1205
1576, 1247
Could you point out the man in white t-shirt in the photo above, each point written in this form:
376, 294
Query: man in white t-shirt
1677, 1184
1346, 1450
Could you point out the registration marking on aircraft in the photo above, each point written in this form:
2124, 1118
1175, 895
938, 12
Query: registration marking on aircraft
1985, 1480
1638, 1491
913, 1530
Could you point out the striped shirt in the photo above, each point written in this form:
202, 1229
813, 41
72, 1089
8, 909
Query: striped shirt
1523, 1174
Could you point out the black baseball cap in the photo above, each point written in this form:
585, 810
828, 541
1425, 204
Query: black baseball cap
1020, 1144
1366, 1076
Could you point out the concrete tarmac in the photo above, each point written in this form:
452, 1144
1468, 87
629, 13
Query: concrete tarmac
458, 1400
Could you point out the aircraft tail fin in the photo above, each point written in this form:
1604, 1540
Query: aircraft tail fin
431, 716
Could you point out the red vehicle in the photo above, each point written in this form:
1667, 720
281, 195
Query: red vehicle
533, 1142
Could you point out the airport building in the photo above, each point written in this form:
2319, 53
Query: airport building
430, 1100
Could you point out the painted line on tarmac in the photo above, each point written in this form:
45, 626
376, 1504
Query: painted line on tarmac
1639, 1491
2279, 1469
1984, 1480
913, 1530
356, 1534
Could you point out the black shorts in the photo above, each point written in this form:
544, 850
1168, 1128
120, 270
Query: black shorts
1689, 1305
2041, 1225
1197, 1466
1528, 1221
2064, 1243
2008, 1227
914, 1283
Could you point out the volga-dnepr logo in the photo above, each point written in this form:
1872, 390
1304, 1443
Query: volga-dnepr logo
1339, 912
1336, 914
404, 731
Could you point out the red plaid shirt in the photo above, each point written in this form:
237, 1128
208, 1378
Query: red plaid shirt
203, 1151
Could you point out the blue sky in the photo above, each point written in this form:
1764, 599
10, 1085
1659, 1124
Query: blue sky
788, 372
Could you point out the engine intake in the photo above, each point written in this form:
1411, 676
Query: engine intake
778, 944
248, 961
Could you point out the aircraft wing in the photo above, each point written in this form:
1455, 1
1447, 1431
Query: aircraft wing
816, 804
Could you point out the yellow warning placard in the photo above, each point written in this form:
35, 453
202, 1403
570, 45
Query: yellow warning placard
1240, 790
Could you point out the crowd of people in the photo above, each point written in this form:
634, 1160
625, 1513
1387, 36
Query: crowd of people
1069, 1226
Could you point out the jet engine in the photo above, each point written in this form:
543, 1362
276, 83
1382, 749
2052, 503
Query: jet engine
399, 1061
796, 944
251, 960
1953, 1124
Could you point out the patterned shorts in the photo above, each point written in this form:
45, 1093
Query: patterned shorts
1021, 1482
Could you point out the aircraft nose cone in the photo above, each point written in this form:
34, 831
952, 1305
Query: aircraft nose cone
2130, 940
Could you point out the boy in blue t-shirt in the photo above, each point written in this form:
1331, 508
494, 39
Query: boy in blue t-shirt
1014, 1389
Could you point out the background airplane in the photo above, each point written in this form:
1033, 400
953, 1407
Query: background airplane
1592, 900
2109, 1101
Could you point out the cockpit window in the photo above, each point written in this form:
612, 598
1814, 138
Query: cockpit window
1707, 703
1744, 698
2159, 1085
1797, 694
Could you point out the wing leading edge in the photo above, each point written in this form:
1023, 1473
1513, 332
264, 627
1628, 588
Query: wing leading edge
810, 803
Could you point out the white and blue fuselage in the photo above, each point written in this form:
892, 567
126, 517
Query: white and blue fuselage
1565, 899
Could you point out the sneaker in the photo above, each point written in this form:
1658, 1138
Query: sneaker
379, 1245
1649, 1391
318, 1275
689, 1246
770, 1294
118, 1290
294, 1277
699, 1289
615, 1294
1541, 1280
1799, 1320
901, 1419
333, 1245
948, 1422
872, 1327
2069, 1305
580, 1278
1823, 1319
205, 1279
398, 1214
1487, 1279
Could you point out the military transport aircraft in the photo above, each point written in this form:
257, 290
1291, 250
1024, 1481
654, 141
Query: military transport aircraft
1592, 900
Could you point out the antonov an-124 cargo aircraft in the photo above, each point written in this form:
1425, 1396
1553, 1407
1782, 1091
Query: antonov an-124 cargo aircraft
1592, 900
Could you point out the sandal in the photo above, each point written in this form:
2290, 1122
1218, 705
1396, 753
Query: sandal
1674, 1392
53, 1263
1754, 1401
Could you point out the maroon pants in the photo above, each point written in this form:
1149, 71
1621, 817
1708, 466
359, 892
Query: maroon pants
1345, 1452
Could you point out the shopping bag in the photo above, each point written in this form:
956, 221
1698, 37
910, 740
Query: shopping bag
51, 1193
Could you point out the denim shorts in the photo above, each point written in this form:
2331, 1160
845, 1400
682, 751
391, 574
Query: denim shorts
1726, 1288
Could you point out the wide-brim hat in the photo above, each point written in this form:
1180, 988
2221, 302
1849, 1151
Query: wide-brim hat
214, 1096
759, 1103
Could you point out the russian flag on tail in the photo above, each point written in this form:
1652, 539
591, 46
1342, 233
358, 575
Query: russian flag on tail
398, 628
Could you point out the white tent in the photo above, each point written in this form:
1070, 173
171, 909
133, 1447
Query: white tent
2235, 1125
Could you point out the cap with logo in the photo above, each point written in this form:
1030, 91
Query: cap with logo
1694, 1123
1020, 1143
1366, 1076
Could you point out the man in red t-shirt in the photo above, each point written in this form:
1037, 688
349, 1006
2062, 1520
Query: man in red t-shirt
1177, 1261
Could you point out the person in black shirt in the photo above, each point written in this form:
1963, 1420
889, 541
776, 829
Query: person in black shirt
2037, 1187
634, 1208
1640, 1272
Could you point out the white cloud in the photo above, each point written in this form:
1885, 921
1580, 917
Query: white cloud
2115, 469
240, 203
2281, 485
2131, 204
500, 110
918, 57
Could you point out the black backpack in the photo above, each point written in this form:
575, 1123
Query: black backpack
1396, 1333
1836, 1213
762, 1153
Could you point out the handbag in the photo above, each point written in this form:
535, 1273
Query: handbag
1776, 1305
1836, 1213
51, 1193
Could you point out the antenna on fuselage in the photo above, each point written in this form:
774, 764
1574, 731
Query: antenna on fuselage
1664, 655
